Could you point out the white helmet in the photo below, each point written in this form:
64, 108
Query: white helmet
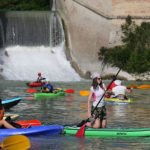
95, 75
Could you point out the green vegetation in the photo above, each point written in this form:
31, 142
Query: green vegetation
25, 4
135, 51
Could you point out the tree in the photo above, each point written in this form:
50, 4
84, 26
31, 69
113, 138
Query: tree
135, 51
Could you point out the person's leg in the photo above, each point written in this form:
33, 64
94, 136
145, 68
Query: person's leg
104, 123
6, 124
96, 124
89, 124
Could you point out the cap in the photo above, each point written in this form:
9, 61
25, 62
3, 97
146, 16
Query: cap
39, 73
95, 75
118, 82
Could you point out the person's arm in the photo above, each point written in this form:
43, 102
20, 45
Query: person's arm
104, 87
89, 103
2, 113
37, 79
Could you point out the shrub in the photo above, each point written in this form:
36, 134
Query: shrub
135, 51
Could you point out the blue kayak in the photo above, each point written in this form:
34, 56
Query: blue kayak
36, 130
11, 102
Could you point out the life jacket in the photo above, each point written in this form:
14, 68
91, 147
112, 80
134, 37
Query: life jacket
47, 88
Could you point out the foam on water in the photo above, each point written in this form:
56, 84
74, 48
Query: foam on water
23, 63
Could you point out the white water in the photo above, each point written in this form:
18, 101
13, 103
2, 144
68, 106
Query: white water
23, 63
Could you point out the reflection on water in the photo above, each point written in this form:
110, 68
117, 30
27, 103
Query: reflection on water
72, 108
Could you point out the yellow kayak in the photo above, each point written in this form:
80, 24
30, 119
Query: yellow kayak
118, 100
13, 116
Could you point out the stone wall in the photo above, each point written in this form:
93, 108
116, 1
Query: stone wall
91, 24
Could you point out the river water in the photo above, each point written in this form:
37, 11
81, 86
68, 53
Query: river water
72, 108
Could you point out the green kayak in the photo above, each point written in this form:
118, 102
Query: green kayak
48, 95
137, 132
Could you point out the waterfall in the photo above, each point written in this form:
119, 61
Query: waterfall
34, 42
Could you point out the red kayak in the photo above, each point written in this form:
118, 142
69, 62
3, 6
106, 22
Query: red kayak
34, 84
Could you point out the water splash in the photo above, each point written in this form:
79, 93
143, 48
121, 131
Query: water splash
23, 63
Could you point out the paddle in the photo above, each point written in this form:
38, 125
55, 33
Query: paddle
80, 132
34, 90
31, 90
132, 86
16, 142
27, 123
84, 93
69, 91
144, 86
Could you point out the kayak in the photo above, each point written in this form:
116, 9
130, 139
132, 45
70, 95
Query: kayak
11, 102
49, 95
118, 100
34, 130
13, 116
137, 132
34, 84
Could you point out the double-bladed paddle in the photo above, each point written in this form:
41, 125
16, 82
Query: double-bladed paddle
15, 142
82, 129
34, 90
144, 87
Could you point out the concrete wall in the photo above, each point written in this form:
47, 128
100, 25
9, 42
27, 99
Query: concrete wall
132, 7
91, 24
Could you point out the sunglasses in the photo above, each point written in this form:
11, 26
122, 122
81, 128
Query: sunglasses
99, 78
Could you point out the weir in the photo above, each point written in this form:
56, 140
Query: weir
33, 42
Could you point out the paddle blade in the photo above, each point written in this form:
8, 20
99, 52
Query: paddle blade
69, 91
84, 93
25, 124
31, 90
132, 86
144, 87
16, 142
81, 131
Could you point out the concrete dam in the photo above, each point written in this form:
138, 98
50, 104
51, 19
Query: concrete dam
89, 25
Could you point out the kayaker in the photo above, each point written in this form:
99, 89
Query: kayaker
40, 78
120, 90
97, 90
47, 87
4, 122
109, 91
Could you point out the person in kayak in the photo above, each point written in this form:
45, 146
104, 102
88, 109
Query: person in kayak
40, 78
120, 91
97, 90
4, 122
109, 90
47, 87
